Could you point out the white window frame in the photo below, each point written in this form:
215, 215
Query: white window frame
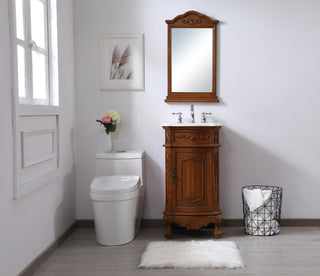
29, 106
50, 52
31, 47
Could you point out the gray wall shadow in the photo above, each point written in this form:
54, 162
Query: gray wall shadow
243, 162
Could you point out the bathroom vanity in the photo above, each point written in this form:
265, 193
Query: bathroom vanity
192, 149
192, 176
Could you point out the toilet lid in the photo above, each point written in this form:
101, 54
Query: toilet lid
114, 184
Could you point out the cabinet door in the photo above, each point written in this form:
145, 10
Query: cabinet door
192, 181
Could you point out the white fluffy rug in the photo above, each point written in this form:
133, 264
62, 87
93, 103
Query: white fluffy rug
191, 254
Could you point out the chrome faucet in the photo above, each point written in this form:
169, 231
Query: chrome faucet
203, 119
192, 114
179, 118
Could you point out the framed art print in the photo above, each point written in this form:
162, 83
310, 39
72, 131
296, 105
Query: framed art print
121, 62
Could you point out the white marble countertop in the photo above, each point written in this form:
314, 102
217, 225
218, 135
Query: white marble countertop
191, 124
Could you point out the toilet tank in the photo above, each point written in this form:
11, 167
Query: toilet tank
121, 163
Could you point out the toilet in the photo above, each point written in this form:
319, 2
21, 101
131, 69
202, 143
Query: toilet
117, 196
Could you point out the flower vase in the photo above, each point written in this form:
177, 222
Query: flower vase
107, 143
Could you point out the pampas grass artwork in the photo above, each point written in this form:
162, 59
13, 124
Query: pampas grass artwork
121, 62
121, 67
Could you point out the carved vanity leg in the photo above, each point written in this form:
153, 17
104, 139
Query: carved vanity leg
168, 231
167, 222
216, 230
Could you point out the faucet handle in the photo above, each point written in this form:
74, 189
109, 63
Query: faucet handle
179, 118
203, 119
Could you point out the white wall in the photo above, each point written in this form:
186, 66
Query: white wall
268, 83
29, 225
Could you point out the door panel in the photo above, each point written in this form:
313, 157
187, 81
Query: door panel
193, 180
192, 172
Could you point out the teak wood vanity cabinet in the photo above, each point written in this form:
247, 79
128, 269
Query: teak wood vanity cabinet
192, 177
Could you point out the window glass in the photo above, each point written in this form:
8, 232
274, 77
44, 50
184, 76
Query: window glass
38, 20
39, 79
19, 19
21, 71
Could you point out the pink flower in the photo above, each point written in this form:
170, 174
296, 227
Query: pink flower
106, 119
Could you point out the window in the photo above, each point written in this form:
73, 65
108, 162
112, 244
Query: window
35, 47
36, 109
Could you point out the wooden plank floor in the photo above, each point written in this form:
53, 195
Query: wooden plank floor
295, 251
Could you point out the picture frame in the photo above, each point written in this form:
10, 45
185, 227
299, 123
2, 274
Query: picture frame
121, 62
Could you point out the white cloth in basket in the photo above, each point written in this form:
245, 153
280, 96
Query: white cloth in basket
256, 197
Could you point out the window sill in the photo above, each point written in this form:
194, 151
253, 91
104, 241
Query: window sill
27, 110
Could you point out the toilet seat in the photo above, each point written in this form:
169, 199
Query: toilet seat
114, 184
114, 187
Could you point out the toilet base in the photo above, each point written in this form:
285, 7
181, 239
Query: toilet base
116, 222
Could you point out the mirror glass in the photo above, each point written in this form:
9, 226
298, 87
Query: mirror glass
191, 54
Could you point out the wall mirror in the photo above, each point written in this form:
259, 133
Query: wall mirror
192, 58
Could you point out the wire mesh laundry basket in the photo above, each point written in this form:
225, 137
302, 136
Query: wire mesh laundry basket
264, 220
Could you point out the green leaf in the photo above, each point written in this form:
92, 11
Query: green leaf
112, 128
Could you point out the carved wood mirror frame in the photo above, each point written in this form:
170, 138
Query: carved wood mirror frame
192, 19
